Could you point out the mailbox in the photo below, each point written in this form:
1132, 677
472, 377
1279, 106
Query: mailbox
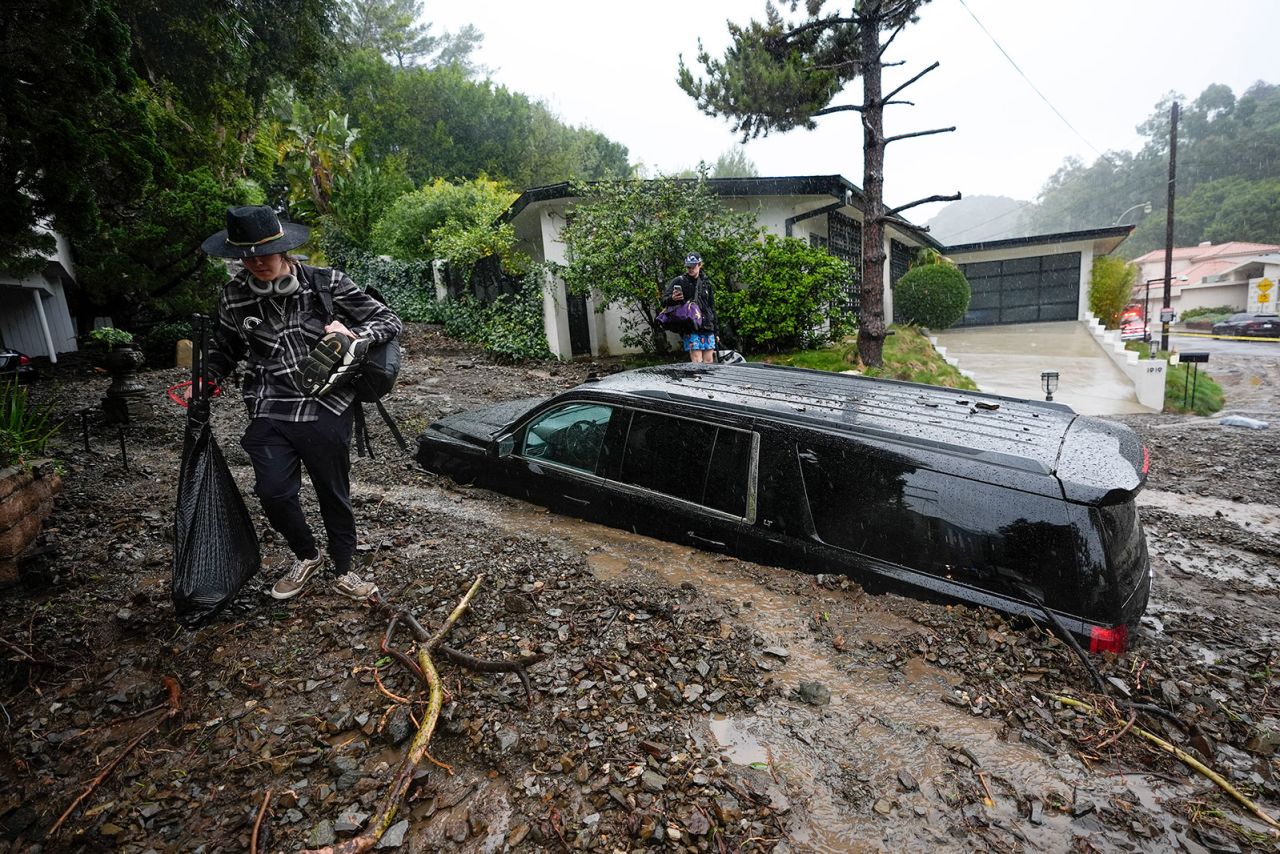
1184, 358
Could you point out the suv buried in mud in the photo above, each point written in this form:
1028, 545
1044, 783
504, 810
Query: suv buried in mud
1016, 505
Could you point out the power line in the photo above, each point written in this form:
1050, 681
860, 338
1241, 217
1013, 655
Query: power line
1056, 111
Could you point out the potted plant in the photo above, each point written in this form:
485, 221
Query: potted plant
124, 401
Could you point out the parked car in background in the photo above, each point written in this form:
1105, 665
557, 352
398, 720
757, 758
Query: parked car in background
15, 365
1133, 326
1011, 504
1250, 325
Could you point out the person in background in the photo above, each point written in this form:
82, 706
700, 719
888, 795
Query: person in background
694, 285
272, 315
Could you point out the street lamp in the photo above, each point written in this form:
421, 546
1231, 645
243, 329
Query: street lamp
1049, 381
1146, 208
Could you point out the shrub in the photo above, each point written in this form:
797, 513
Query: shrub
1216, 311
932, 295
407, 286
1110, 288
789, 289
109, 336
160, 342
452, 221
24, 429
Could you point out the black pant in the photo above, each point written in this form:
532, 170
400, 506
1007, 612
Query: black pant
278, 450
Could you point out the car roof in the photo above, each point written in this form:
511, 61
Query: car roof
1009, 431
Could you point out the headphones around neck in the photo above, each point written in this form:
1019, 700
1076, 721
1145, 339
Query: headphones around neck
282, 287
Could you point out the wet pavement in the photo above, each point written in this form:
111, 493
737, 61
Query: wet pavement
1008, 360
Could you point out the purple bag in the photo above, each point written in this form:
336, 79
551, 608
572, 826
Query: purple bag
682, 318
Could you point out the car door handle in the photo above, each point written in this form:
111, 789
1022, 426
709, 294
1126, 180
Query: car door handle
576, 500
705, 541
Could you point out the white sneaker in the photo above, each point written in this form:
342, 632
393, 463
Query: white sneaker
291, 583
353, 587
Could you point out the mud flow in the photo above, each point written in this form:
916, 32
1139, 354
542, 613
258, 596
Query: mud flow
885, 736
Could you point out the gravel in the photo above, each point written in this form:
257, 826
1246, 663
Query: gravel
685, 700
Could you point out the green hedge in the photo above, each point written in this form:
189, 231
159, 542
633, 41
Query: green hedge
509, 328
932, 295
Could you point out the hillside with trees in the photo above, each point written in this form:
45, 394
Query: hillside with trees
1227, 189
129, 127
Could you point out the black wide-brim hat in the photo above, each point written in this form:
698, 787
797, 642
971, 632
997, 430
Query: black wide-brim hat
255, 230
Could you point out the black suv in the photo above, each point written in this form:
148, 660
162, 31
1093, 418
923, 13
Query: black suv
1251, 325
1012, 504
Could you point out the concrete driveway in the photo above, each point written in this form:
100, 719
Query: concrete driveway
1008, 360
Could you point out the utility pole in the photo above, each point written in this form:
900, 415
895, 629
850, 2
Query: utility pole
1168, 230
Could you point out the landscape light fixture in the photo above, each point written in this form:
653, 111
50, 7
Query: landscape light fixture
1049, 381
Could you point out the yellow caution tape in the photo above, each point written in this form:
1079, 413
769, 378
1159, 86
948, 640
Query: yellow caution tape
1221, 337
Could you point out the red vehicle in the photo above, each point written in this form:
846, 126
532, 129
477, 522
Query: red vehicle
1133, 326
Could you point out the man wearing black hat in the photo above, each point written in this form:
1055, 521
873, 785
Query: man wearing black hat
271, 314
693, 285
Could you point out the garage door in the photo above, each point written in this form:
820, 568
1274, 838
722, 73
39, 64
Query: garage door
1023, 290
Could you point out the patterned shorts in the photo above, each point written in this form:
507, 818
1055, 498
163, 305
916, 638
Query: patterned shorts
700, 342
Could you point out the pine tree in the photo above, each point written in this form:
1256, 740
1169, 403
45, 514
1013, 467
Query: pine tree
776, 76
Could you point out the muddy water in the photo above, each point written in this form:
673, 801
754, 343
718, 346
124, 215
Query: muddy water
1263, 518
844, 769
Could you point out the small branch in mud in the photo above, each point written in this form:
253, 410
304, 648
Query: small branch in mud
424, 669
174, 706
257, 822
1187, 759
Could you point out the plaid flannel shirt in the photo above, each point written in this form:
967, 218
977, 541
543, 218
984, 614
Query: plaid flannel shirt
292, 325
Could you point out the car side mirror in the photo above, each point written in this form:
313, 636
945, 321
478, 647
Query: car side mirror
506, 446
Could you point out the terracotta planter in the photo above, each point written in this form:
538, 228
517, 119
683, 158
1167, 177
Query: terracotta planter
26, 500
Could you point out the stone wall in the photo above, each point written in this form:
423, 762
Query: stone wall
26, 499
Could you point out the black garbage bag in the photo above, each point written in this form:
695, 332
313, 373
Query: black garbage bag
215, 544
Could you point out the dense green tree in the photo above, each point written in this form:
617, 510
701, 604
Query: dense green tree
364, 197
1228, 151
776, 76
627, 239
733, 163
74, 140
391, 28
445, 125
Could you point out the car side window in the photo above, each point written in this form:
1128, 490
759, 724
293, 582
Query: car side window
667, 455
570, 435
690, 460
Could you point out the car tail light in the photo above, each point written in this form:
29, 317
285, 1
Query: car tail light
1113, 639
24, 360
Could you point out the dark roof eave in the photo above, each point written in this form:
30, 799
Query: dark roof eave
1117, 232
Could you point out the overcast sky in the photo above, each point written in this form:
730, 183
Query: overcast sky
1102, 63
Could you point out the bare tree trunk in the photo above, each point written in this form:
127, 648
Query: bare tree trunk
871, 326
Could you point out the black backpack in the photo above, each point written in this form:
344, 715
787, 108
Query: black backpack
378, 371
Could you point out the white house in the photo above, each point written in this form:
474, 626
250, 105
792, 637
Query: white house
825, 210
34, 316
1027, 279
1208, 276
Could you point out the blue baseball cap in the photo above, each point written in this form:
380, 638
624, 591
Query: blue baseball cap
692, 259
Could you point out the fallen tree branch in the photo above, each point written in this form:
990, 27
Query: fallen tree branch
174, 706
1186, 759
425, 669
